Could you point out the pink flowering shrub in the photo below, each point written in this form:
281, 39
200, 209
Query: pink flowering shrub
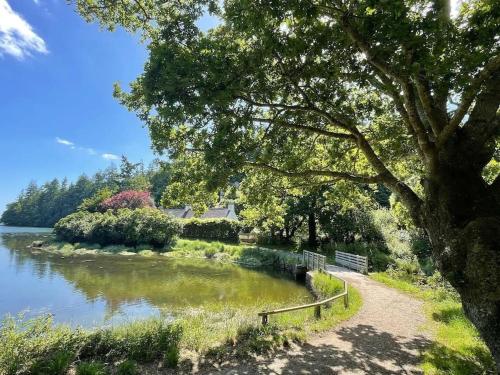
128, 199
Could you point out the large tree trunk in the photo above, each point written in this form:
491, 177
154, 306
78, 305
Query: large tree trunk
313, 237
462, 217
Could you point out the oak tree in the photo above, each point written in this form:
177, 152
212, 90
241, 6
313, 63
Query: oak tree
401, 92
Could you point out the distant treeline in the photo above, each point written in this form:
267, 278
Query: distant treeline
43, 205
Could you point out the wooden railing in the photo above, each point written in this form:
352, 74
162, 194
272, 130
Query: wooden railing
313, 261
353, 261
317, 305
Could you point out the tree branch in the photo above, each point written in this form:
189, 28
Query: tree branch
146, 14
306, 128
386, 73
413, 116
387, 87
317, 173
424, 94
468, 97
333, 121
364, 47
405, 193
484, 120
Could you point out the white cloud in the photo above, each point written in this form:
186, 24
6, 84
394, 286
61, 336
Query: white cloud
88, 150
110, 156
17, 37
37, 2
64, 142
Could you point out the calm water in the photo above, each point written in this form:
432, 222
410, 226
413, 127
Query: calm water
104, 289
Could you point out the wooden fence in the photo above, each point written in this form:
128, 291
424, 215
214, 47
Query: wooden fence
317, 305
355, 262
313, 261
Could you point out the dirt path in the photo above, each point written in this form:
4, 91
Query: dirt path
385, 337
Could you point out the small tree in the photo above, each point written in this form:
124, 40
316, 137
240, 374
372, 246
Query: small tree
94, 203
128, 199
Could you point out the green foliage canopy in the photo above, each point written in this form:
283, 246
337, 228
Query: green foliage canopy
323, 91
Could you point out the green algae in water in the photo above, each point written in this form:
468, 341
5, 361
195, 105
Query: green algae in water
95, 289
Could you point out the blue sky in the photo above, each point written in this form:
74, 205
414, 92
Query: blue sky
57, 113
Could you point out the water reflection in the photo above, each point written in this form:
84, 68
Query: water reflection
93, 289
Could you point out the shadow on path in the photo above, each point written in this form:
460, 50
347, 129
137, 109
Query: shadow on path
369, 352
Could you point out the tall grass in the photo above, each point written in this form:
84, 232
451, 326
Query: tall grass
36, 346
326, 286
244, 254
457, 347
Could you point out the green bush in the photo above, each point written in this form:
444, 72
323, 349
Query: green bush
124, 226
93, 204
378, 235
211, 229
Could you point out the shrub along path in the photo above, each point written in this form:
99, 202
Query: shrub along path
385, 337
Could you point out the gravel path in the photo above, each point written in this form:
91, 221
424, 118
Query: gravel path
385, 337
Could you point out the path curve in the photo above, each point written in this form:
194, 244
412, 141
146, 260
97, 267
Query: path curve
385, 337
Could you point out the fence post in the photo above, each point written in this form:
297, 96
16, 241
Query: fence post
346, 296
317, 311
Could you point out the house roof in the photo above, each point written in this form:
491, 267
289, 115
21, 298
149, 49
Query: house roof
180, 213
211, 213
216, 213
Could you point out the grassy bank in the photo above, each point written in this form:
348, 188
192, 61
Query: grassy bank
249, 255
457, 348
